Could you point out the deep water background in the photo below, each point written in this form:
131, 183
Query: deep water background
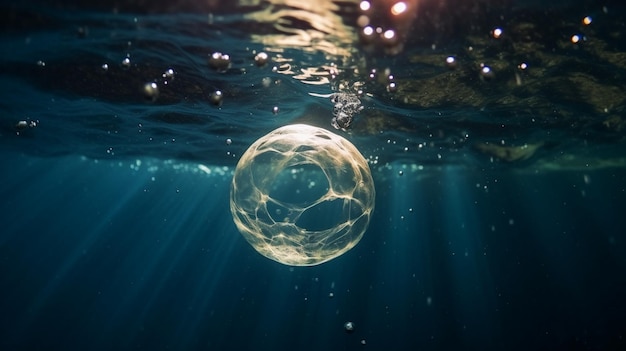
116, 232
99, 256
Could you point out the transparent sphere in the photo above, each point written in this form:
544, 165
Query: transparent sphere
302, 195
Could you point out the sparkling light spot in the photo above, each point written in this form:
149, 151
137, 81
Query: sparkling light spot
398, 8
497, 33
389, 34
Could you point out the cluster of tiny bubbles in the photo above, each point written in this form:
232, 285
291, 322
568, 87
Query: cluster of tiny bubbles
372, 159
168, 76
266, 82
229, 141
150, 90
24, 125
219, 61
385, 77
220, 171
392, 87
372, 74
579, 38
395, 12
41, 63
333, 72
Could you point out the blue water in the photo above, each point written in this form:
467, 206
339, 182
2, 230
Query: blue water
116, 228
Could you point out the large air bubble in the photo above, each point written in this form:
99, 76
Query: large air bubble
302, 195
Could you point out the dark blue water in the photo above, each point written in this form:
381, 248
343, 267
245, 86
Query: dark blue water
499, 220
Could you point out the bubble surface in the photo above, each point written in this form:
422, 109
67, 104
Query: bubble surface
302, 195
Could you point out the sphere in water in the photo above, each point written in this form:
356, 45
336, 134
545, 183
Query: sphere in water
216, 98
151, 91
261, 59
219, 61
302, 195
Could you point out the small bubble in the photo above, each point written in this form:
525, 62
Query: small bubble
392, 87
587, 20
229, 141
219, 62
349, 327
126, 62
363, 342
261, 59
368, 31
497, 33
486, 73
216, 98
266, 82
275, 110
105, 67
400, 173
151, 91
575, 39
168, 74
331, 295
451, 62
389, 34
21, 125
41, 63
372, 76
